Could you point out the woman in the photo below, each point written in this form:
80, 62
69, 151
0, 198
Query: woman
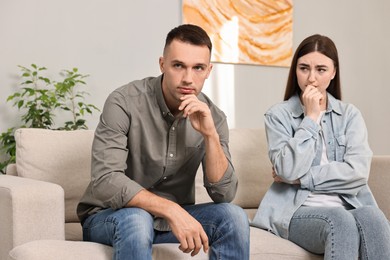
321, 159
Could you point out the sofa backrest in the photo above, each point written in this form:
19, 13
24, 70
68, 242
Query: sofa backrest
248, 148
379, 182
61, 157
64, 158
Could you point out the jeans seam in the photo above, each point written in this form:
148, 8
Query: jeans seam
215, 234
362, 239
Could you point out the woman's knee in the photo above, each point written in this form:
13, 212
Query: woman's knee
322, 230
343, 222
370, 217
369, 214
328, 222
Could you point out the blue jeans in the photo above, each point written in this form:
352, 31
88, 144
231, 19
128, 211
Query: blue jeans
342, 234
130, 231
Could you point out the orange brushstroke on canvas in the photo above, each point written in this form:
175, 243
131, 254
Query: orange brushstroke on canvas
256, 31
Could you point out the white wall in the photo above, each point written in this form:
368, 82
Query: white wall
116, 41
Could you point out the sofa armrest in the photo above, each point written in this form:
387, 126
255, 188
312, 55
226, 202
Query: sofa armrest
379, 182
29, 210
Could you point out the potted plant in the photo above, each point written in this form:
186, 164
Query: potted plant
40, 99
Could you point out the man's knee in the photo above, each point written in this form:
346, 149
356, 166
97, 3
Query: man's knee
234, 218
135, 217
133, 224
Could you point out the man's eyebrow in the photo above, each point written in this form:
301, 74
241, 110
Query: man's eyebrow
201, 65
177, 61
196, 65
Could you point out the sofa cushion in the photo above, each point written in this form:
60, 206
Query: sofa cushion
61, 157
379, 180
249, 151
70, 250
265, 245
60, 250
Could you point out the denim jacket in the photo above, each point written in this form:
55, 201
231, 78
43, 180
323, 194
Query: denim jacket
295, 148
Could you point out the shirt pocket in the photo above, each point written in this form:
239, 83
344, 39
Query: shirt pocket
340, 147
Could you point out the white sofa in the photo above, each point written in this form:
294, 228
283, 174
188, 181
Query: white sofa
39, 194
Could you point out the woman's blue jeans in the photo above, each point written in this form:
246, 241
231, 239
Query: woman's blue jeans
342, 234
130, 231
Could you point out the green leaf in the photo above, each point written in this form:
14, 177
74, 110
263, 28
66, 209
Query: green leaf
20, 103
45, 80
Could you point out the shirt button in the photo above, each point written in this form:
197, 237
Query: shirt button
165, 178
173, 128
171, 155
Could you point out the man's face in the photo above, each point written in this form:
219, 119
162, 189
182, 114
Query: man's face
185, 67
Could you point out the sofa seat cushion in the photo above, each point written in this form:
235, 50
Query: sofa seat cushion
265, 245
70, 250
60, 250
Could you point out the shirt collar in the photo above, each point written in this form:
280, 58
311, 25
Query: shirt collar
165, 112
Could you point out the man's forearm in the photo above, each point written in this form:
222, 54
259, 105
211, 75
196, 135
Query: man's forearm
216, 162
153, 204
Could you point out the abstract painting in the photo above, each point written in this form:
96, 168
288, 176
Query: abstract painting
257, 32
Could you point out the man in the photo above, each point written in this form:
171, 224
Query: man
152, 136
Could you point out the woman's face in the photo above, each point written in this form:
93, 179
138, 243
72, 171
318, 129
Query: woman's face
315, 69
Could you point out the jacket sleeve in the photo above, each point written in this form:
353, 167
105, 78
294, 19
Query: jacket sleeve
293, 150
349, 173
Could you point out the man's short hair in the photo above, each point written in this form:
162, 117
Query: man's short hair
189, 33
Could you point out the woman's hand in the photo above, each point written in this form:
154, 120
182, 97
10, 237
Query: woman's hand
314, 101
279, 179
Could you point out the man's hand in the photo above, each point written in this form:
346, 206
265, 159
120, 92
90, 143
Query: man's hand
188, 231
202, 121
198, 113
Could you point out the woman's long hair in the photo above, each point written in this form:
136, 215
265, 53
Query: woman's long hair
314, 43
